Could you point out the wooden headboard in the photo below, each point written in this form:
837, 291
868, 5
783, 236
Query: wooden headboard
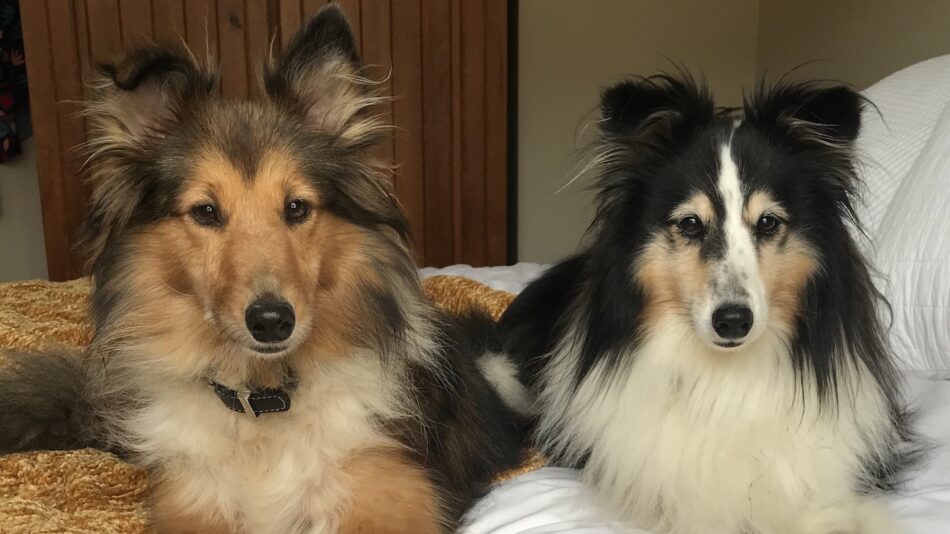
446, 61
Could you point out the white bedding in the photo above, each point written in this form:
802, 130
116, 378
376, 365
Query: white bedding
551, 500
905, 146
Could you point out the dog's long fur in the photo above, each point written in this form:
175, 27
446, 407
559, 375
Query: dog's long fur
393, 427
797, 428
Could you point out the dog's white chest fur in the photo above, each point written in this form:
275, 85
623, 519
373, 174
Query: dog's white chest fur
277, 474
693, 441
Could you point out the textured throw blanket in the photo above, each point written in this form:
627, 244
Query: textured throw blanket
92, 492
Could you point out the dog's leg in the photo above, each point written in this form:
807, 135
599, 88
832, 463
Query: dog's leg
390, 495
863, 516
874, 516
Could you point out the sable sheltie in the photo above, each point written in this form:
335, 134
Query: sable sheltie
262, 342
713, 359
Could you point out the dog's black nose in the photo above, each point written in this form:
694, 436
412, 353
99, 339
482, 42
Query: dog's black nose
269, 320
732, 321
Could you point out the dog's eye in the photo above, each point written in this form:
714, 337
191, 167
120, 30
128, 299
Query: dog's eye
690, 226
296, 211
206, 215
766, 226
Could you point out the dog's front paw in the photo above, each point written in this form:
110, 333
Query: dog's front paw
866, 516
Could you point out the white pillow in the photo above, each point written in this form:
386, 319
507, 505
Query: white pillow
907, 212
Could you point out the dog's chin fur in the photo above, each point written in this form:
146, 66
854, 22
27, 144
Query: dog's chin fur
800, 428
394, 424
689, 439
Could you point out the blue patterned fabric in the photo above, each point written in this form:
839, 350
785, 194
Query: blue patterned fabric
14, 96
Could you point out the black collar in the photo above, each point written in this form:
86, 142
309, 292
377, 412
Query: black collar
256, 401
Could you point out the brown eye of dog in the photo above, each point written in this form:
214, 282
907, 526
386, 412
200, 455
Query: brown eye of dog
296, 211
766, 226
206, 215
690, 226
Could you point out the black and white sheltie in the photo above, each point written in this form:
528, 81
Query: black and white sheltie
262, 342
714, 358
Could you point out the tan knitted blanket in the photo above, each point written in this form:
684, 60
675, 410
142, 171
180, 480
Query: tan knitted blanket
92, 492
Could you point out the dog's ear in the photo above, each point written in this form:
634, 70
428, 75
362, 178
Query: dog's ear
828, 115
133, 102
657, 106
136, 98
836, 110
320, 76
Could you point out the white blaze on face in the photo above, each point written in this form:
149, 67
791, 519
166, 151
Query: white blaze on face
734, 277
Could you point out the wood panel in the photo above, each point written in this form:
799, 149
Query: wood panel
136, 21
407, 109
231, 38
168, 19
438, 141
257, 38
201, 27
497, 128
445, 62
290, 16
49, 163
473, 227
376, 50
69, 94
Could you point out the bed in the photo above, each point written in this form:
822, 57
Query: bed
552, 500
907, 146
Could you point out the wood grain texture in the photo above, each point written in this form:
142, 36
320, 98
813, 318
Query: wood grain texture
437, 139
376, 22
496, 132
257, 32
201, 27
473, 224
136, 20
36, 42
407, 109
68, 105
444, 61
310, 7
105, 29
168, 20
231, 41
290, 18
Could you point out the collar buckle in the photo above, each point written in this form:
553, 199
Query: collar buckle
244, 396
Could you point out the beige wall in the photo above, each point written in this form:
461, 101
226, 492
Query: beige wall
568, 51
22, 253
857, 41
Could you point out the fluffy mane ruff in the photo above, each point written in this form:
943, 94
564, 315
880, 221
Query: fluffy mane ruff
801, 429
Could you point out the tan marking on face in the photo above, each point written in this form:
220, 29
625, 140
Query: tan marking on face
344, 278
675, 277
785, 270
761, 203
255, 252
672, 275
698, 205
671, 270
390, 495
199, 280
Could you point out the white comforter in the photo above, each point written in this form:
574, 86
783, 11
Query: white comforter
551, 500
